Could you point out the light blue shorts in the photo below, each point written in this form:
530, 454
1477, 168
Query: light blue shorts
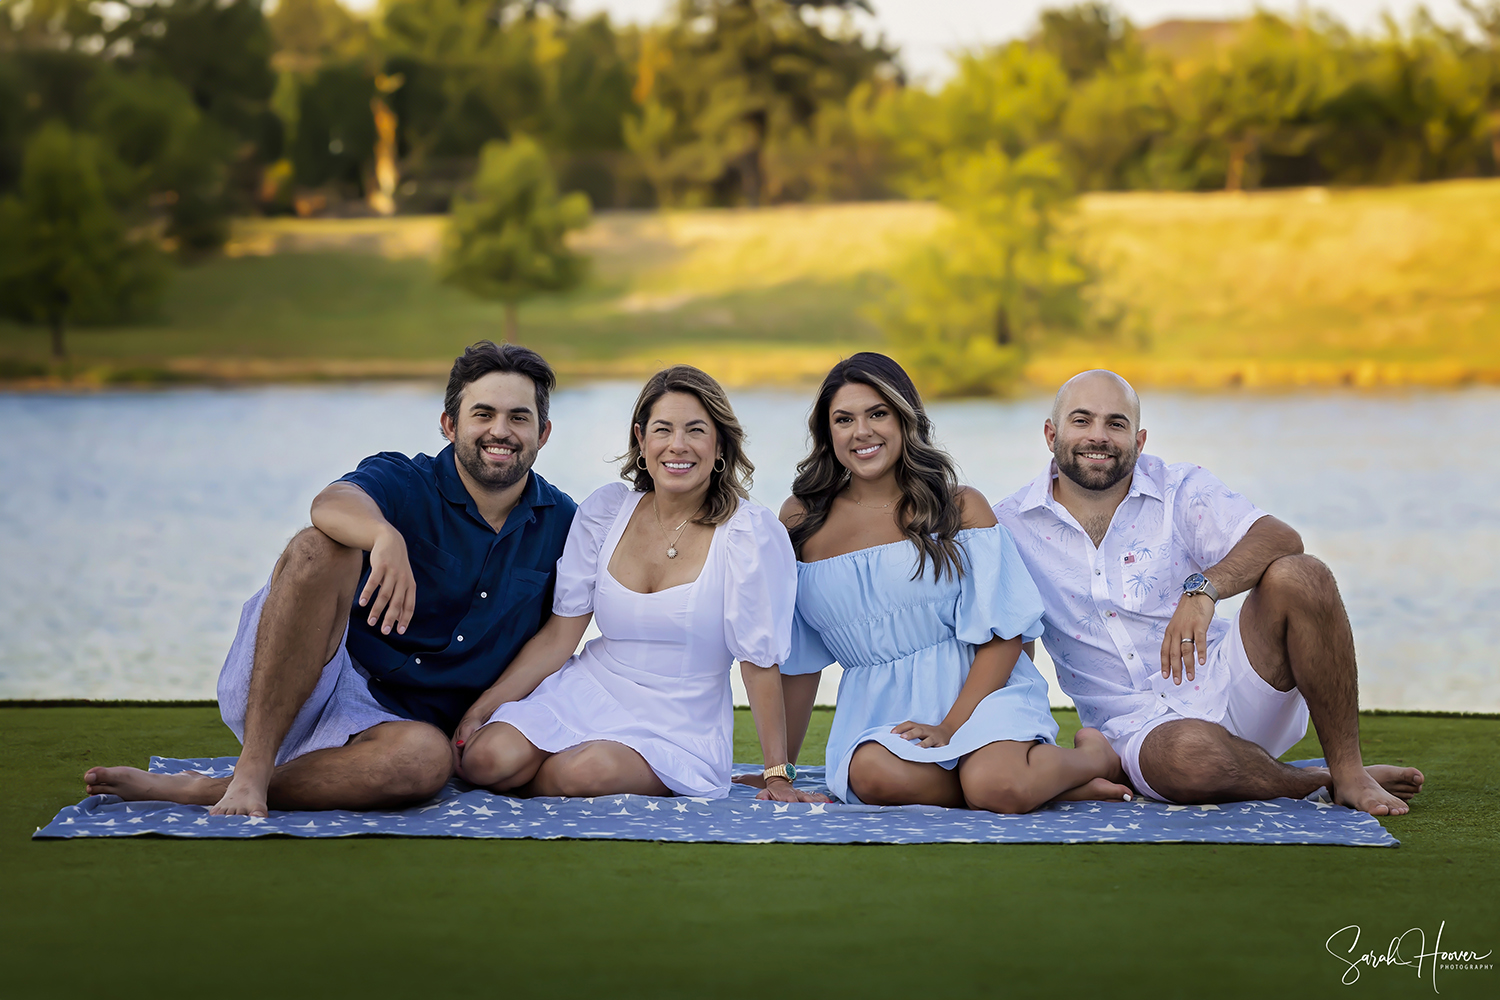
340, 707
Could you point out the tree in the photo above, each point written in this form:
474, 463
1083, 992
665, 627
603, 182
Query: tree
734, 78
65, 254
970, 305
507, 241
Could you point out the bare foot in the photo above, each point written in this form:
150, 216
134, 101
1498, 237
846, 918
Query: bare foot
1092, 741
1402, 782
243, 797
1362, 791
1097, 789
134, 785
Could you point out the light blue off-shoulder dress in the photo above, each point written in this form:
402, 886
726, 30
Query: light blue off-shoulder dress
906, 647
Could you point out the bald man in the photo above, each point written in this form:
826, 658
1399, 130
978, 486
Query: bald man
1131, 556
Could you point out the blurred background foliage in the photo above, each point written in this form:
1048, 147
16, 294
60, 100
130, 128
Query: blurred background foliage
192, 112
216, 107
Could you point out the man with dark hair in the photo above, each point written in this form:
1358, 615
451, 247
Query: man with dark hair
1131, 556
418, 582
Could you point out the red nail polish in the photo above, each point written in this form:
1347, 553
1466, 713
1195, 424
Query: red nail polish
460, 742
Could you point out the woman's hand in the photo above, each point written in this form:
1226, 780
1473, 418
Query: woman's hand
478, 714
924, 735
781, 790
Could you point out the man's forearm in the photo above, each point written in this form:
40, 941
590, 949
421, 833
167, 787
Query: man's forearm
345, 513
1267, 540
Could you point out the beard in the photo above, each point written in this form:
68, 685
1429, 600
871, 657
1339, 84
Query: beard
486, 475
1094, 477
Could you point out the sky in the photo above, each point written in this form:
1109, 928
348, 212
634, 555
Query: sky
926, 31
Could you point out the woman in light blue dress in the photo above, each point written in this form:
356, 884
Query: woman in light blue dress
905, 578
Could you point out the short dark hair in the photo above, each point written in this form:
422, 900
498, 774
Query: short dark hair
486, 357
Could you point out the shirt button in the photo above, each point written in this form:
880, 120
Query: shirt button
1129, 656
419, 659
483, 594
460, 638
1111, 614
1096, 572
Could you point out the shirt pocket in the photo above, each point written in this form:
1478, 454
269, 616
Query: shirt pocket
526, 591
1142, 577
429, 560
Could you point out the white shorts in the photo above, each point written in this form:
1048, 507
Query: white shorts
1254, 710
340, 706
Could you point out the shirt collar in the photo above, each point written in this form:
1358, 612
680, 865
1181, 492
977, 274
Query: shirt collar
1141, 483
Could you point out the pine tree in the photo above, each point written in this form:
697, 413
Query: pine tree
507, 240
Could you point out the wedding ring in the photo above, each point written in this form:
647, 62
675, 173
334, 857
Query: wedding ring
1187, 640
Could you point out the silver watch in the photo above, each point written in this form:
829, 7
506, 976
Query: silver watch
1198, 584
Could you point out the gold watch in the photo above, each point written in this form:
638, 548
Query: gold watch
787, 771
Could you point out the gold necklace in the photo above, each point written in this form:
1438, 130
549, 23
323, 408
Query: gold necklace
869, 506
672, 545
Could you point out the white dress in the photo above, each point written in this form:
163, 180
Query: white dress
657, 678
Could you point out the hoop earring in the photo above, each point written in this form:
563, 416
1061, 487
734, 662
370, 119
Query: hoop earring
720, 465
640, 462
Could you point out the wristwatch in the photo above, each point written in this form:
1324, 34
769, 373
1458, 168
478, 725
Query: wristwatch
1198, 584
787, 771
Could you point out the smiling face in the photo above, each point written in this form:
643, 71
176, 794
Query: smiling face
865, 430
1093, 433
679, 443
497, 435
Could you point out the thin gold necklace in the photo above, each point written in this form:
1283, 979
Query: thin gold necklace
870, 506
671, 545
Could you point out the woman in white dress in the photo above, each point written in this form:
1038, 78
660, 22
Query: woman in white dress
684, 576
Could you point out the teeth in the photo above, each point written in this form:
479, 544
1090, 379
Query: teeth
678, 465
867, 451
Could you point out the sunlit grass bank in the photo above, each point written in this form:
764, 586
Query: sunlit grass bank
394, 917
1311, 287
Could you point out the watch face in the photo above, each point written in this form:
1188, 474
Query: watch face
1194, 582
791, 773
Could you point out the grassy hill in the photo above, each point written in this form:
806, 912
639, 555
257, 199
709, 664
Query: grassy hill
1287, 288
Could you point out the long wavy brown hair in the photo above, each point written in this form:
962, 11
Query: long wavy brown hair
727, 485
929, 513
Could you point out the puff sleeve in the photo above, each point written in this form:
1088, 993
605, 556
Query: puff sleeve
809, 652
997, 597
760, 587
579, 566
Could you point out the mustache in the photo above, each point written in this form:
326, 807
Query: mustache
508, 442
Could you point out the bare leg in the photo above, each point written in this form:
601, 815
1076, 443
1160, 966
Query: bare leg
1194, 761
500, 758
599, 767
1009, 776
1297, 634
880, 778
301, 626
386, 766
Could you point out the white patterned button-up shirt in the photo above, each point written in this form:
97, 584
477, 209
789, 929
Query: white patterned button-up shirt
1107, 609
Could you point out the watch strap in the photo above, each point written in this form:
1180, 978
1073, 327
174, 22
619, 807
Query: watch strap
786, 771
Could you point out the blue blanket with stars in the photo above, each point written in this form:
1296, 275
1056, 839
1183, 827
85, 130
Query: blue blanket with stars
463, 811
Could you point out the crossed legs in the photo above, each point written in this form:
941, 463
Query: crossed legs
1007, 776
501, 759
1296, 634
301, 628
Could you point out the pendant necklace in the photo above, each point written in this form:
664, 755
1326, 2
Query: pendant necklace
672, 545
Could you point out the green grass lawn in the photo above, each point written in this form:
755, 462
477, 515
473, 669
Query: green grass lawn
1227, 289
398, 917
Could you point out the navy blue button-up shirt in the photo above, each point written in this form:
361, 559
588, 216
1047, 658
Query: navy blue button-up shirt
481, 594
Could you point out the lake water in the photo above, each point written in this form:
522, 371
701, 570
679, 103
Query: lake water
134, 524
